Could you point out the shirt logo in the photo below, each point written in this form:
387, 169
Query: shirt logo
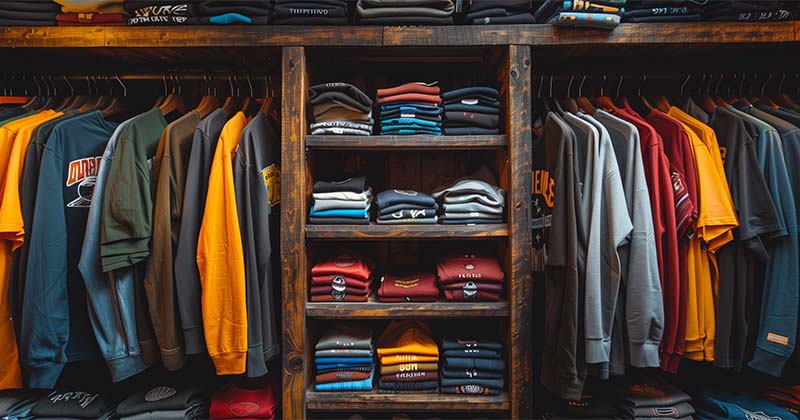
471, 389
159, 393
85, 193
272, 182
406, 192
779, 339
470, 290
243, 409
338, 281
81, 169
83, 398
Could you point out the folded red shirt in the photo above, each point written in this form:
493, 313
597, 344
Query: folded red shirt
346, 298
420, 287
338, 279
469, 267
411, 97
345, 265
233, 402
476, 295
327, 290
413, 87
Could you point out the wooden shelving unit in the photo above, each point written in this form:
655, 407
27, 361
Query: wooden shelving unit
377, 310
375, 231
418, 142
373, 401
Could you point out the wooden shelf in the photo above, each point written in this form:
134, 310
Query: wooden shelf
378, 310
373, 401
257, 36
376, 232
417, 142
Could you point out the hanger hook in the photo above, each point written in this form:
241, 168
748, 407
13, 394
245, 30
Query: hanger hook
569, 86
619, 85
541, 83
639, 90
580, 87
551, 85
764, 86
603, 86
683, 86
719, 83
124, 88
250, 85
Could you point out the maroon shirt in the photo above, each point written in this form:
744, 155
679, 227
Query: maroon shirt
470, 267
410, 288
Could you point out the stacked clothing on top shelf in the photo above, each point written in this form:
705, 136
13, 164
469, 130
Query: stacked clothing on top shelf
156, 13
398, 207
412, 108
342, 279
409, 358
345, 202
261, 402
405, 12
637, 11
344, 358
473, 367
29, 13
472, 110
165, 403
340, 108
66, 404
91, 13
409, 287
601, 14
318, 12
473, 199
654, 399
470, 276
227, 12
499, 12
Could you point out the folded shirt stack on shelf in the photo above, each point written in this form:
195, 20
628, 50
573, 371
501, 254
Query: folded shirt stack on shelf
252, 403
346, 202
600, 14
167, 13
413, 287
16, 404
472, 367
91, 13
473, 199
407, 347
399, 207
342, 279
340, 108
343, 357
470, 276
230, 12
405, 12
74, 404
472, 110
499, 12
317, 12
165, 403
29, 13
786, 397
637, 11
653, 399
411, 108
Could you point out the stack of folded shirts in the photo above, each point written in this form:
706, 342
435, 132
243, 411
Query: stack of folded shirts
73, 404
397, 207
340, 108
472, 110
470, 276
165, 403
228, 12
412, 108
343, 357
317, 12
499, 12
405, 12
653, 399
28, 13
786, 397
663, 11
600, 14
341, 279
254, 403
154, 12
17, 403
91, 13
472, 367
409, 358
473, 199
414, 287
344, 202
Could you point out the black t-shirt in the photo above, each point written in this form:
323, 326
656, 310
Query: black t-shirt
354, 185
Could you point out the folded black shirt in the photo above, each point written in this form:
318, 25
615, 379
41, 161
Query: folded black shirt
470, 131
31, 6
471, 390
482, 109
356, 184
458, 344
477, 5
339, 98
513, 19
491, 383
405, 20
409, 214
471, 373
470, 363
470, 119
407, 386
308, 12
161, 398
74, 404
250, 8
390, 198
471, 92
401, 207
675, 412
344, 88
473, 353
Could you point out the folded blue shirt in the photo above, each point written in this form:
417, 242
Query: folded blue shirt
724, 405
410, 106
410, 131
405, 109
348, 213
229, 18
362, 385
342, 360
342, 366
410, 121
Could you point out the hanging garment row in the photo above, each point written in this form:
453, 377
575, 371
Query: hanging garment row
138, 233
666, 229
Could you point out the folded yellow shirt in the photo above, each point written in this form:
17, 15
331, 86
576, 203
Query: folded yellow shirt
408, 336
397, 359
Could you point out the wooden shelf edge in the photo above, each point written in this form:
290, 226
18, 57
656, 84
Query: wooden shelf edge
268, 35
378, 310
373, 401
377, 232
406, 142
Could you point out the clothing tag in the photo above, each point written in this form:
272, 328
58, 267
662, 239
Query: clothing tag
272, 182
408, 115
779, 339
469, 101
428, 84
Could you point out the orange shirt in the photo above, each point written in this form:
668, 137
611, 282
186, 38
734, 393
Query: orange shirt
405, 338
220, 260
397, 359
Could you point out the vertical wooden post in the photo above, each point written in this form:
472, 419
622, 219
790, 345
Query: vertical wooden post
293, 210
520, 157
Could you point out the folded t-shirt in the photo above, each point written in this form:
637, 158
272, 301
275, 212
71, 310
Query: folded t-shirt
161, 398
389, 198
250, 8
354, 184
496, 365
345, 335
75, 404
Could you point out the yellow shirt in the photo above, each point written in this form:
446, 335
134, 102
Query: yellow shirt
10, 375
714, 227
220, 259
407, 337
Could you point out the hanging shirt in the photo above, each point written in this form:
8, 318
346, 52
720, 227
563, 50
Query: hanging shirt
257, 179
12, 136
187, 278
55, 322
168, 181
220, 260
778, 322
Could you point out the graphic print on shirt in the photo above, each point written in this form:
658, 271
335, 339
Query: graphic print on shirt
542, 199
84, 173
272, 182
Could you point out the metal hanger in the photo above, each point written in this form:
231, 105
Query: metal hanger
569, 102
584, 102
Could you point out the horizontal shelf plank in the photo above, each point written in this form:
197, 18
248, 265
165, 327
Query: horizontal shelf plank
375, 231
379, 310
373, 401
254, 36
416, 142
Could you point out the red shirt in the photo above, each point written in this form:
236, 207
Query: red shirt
345, 265
411, 288
469, 267
232, 402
